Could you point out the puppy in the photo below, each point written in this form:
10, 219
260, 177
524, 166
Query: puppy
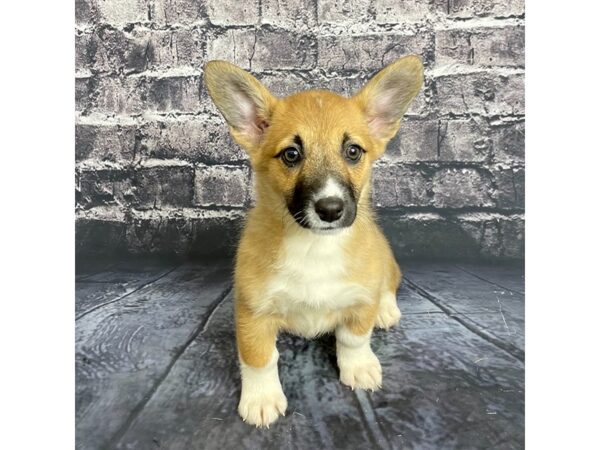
311, 258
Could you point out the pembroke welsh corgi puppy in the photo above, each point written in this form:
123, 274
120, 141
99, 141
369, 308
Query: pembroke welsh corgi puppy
311, 259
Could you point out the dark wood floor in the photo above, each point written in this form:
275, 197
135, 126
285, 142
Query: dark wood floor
156, 364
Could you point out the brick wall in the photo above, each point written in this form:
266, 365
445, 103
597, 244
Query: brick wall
157, 172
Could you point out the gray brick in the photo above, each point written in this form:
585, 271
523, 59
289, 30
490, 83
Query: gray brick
233, 45
513, 237
368, 52
222, 186
508, 139
465, 140
194, 139
115, 51
101, 187
97, 234
395, 11
166, 232
84, 51
200, 139
397, 186
290, 14
232, 12
287, 83
460, 188
177, 12
120, 12
487, 93
466, 9
84, 93
484, 47
120, 96
495, 235
472, 235
417, 140
183, 232
342, 12
107, 142
142, 187
284, 50
482, 231
137, 95
510, 187
266, 49
86, 12
159, 173
161, 186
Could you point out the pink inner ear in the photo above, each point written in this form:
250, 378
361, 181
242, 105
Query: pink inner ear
248, 118
381, 113
254, 130
378, 126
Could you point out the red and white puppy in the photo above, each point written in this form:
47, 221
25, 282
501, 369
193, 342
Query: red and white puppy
311, 258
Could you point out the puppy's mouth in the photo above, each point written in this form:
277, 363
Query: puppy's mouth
325, 209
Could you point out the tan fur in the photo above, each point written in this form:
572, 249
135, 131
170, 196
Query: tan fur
263, 125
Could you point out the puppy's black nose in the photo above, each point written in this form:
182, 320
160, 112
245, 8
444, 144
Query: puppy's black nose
329, 209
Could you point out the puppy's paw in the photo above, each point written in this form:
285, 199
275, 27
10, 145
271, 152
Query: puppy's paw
361, 372
262, 408
389, 313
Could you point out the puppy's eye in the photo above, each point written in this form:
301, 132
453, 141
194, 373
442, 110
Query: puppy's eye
291, 156
353, 153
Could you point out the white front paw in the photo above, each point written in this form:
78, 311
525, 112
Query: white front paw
361, 371
262, 407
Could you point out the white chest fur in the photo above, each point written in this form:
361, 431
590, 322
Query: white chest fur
310, 285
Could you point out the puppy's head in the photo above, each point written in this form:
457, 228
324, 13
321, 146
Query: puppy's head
312, 152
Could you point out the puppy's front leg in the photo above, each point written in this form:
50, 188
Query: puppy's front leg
262, 400
359, 367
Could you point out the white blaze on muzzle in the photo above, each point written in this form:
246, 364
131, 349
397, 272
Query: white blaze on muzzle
332, 188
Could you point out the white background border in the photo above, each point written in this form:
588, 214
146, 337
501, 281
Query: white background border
37, 225
562, 217
562, 225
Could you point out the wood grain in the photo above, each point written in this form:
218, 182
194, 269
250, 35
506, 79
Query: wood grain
496, 311
123, 348
158, 369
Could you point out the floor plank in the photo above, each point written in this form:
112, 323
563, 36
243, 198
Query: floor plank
497, 312
124, 348
505, 277
86, 267
116, 281
444, 387
196, 406
158, 368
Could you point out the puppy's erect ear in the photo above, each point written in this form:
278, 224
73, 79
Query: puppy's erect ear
387, 96
245, 104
